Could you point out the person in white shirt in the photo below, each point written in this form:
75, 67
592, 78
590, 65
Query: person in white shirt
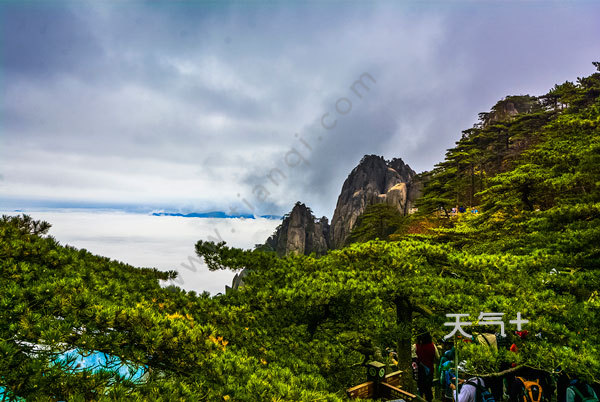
468, 391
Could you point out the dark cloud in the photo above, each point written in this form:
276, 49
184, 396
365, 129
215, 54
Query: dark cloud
41, 40
191, 104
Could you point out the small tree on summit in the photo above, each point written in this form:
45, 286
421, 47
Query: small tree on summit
378, 221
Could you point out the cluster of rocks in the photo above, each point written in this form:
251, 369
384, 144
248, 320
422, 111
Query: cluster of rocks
373, 181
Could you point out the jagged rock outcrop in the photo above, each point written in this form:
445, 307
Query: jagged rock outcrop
238, 280
301, 233
373, 181
508, 108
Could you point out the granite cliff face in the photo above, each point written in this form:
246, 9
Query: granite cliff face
373, 181
300, 233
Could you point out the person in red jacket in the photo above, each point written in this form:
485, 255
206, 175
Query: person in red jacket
426, 355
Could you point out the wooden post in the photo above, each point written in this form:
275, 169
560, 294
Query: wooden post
456, 365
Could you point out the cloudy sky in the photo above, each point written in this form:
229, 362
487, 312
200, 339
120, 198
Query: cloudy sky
189, 106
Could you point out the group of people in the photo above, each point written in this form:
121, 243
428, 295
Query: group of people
462, 210
516, 385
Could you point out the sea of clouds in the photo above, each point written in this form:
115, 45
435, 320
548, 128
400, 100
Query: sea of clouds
163, 242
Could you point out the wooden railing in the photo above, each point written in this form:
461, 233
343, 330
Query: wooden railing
388, 388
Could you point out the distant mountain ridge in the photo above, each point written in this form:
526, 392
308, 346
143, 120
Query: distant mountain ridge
215, 214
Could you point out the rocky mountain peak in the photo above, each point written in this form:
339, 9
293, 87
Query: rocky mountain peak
300, 233
374, 180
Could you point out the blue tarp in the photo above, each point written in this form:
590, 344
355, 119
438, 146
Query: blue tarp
98, 361
95, 361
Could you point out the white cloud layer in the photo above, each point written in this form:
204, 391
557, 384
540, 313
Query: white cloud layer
163, 242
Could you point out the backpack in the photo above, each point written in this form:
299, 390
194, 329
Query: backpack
482, 394
488, 340
531, 390
446, 375
582, 398
446, 362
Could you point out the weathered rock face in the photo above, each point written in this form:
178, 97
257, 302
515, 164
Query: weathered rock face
373, 181
300, 233
238, 280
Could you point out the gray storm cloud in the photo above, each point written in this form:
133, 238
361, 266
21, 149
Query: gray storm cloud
194, 105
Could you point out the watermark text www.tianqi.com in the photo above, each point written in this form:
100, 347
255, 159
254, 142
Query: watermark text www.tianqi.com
192, 260
292, 159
